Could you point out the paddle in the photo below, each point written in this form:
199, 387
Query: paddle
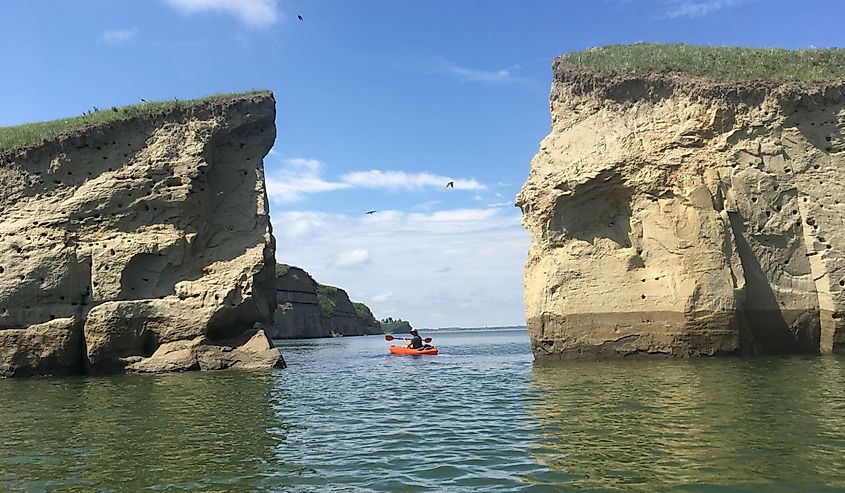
389, 337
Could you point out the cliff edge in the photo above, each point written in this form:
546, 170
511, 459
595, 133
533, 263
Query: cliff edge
308, 309
679, 215
142, 243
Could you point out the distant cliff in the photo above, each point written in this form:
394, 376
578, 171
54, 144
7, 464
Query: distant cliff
308, 309
680, 215
390, 326
138, 240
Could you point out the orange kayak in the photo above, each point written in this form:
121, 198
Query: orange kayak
412, 352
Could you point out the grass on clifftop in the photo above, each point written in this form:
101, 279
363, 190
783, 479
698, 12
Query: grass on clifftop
282, 269
719, 63
29, 133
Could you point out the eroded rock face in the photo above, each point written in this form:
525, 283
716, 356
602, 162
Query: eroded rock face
302, 313
679, 217
298, 314
120, 242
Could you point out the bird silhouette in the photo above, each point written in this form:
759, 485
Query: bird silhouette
371, 212
300, 17
143, 100
451, 184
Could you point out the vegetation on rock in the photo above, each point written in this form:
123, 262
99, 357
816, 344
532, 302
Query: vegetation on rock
304, 299
389, 325
324, 293
282, 269
30, 133
719, 63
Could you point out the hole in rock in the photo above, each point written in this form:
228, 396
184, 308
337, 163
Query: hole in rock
642, 296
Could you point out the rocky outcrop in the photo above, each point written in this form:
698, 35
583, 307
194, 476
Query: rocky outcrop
391, 326
344, 319
307, 309
674, 216
143, 244
298, 314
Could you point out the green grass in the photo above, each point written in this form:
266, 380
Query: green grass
29, 133
327, 306
719, 63
363, 311
394, 325
282, 269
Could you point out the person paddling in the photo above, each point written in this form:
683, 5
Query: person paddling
416, 341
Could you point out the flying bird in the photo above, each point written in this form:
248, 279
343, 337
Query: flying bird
371, 212
143, 100
300, 17
451, 184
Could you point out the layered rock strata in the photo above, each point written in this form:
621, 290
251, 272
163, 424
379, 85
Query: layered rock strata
142, 244
307, 309
675, 216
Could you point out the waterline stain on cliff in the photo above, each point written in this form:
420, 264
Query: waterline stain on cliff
141, 244
731, 203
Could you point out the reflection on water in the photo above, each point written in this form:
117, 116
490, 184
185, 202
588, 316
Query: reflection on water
126, 433
763, 424
347, 416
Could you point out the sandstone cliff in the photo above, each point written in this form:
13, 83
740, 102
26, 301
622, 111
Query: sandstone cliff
140, 244
676, 216
307, 309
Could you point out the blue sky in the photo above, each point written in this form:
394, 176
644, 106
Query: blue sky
379, 103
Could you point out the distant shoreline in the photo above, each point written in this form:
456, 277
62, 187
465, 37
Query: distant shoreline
465, 329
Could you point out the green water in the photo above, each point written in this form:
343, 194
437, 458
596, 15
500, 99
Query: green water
481, 416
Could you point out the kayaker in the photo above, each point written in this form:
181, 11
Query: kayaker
416, 342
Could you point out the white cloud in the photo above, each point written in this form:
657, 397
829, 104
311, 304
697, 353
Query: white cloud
476, 75
501, 204
298, 177
295, 178
253, 13
446, 267
399, 180
351, 259
426, 206
381, 297
698, 8
115, 36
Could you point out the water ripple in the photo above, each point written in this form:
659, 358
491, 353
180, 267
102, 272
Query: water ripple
348, 417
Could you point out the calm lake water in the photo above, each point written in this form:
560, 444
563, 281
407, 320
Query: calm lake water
481, 416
